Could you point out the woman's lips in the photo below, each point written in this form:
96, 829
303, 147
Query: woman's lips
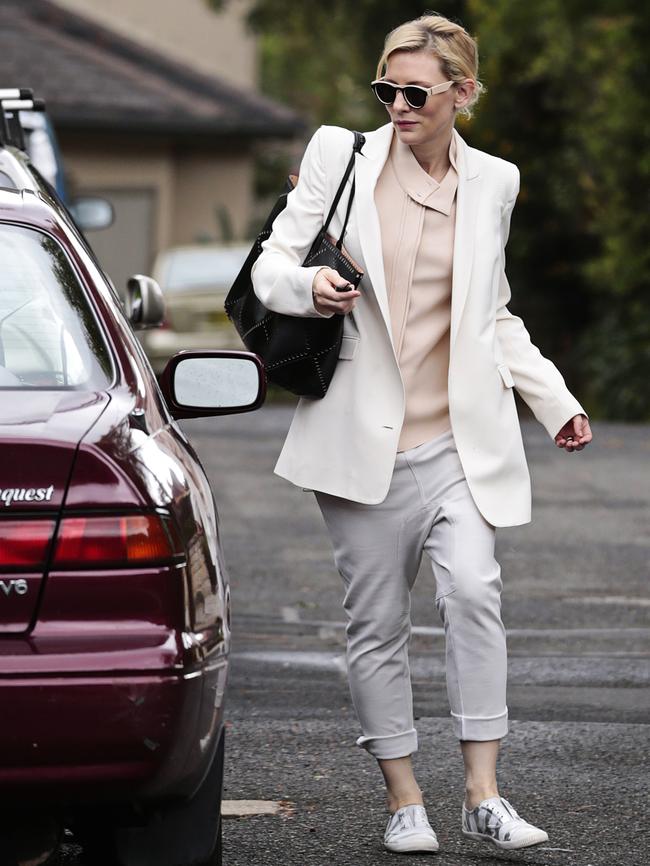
405, 123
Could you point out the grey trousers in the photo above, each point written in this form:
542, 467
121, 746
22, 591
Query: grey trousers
378, 550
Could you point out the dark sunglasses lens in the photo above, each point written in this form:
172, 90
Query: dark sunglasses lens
415, 96
385, 93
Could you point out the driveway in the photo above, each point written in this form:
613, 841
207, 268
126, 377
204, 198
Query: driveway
575, 604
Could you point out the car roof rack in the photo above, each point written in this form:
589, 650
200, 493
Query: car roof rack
12, 101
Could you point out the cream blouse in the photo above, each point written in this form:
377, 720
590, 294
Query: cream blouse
417, 219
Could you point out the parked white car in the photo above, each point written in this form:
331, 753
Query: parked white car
195, 281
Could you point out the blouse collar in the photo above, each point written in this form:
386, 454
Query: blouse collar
418, 184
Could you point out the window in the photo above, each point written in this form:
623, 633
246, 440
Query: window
48, 335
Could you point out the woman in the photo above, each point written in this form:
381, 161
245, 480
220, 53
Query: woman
417, 445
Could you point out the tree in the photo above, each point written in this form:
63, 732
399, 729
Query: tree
567, 102
569, 105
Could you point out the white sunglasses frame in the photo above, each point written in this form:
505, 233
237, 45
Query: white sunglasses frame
436, 88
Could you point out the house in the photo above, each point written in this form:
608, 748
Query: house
155, 107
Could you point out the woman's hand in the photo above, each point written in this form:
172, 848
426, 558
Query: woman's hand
326, 298
575, 434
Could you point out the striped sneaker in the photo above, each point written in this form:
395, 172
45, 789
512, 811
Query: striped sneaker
408, 830
495, 820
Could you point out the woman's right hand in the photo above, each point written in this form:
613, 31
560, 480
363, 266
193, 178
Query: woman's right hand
326, 298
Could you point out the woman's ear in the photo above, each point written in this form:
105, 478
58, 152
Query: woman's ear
464, 93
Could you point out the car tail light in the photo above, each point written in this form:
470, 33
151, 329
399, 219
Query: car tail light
24, 542
130, 539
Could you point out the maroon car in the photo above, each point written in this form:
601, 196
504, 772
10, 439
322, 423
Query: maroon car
114, 600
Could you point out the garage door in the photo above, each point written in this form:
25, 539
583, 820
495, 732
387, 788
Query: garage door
126, 248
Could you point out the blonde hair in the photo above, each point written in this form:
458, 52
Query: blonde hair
449, 42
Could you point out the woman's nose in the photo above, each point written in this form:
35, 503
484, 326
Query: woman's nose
400, 104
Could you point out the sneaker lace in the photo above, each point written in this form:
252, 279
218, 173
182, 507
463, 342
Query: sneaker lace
412, 818
500, 811
420, 817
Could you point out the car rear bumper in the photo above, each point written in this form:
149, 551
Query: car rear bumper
106, 738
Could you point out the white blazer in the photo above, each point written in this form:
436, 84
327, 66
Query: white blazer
345, 444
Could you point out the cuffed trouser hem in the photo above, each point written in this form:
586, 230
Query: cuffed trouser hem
480, 727
391, 745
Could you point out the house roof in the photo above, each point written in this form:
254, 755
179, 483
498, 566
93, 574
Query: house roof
95, 79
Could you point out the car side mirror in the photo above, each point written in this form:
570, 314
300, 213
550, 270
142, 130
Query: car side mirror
145, 305
213, 382
92, 213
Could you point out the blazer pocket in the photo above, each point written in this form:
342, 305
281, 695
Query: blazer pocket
348, 348
506, 375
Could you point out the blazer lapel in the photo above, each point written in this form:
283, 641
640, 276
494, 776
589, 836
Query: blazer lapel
368, 166
467, 196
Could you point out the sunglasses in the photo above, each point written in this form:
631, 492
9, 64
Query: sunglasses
414, 95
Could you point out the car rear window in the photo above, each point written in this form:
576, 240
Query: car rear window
49, 337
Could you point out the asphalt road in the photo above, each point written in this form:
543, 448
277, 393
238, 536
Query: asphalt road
576, 607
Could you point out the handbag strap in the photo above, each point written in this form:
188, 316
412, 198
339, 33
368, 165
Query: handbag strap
339, 242
359, 141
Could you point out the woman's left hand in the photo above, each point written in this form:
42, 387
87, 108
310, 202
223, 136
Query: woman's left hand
575, 434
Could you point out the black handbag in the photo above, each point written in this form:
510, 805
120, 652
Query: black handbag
300, 353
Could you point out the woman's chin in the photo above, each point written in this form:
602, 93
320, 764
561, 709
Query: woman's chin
407, 133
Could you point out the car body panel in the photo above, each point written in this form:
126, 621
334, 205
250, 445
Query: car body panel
39, 440
116, 688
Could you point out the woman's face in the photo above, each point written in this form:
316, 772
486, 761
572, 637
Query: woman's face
418, 125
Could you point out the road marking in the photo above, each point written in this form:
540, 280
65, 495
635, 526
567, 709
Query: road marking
555, 849
530, 670
610, 599
435, 631
300, 658
246, 808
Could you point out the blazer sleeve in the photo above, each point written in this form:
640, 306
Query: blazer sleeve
279, 280
537, 380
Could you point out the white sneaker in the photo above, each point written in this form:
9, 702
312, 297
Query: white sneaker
408, 830
495, 820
